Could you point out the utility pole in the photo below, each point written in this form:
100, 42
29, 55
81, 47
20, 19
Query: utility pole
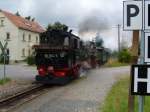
118, 26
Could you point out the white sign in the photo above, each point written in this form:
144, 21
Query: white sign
140, 80
147, 15
133, 15
147, 48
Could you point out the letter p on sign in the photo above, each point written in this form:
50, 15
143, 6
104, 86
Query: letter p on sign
132, 15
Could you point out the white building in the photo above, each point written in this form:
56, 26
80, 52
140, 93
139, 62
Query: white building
20, 33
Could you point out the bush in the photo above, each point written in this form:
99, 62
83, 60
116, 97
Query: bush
2, 59
4, 81
114, 63
124, 56
30, 60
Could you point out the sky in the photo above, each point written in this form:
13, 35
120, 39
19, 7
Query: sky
85, 17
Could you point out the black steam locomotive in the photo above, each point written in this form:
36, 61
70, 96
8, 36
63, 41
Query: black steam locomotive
57, 57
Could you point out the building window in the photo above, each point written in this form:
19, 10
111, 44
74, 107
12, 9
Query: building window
7, 36
29, 38
23, 52
29, 52
2, 22
36, 39
23, 37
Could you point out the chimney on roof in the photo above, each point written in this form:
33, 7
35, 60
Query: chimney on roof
33, 19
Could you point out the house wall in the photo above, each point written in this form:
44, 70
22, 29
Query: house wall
25, 43
16, 43
9, 27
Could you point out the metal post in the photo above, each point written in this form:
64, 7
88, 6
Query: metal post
118, 37
142, 48
141, 103
141, 98
4, 65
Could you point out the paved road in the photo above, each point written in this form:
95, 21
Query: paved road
19, 72
83, 95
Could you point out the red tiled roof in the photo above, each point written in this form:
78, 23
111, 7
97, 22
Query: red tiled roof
23, 23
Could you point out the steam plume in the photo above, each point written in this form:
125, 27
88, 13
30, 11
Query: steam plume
93, 23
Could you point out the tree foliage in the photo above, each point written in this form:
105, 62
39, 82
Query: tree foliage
124, 56
57, 26
30, 60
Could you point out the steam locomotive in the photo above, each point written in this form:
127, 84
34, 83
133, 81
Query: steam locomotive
58, 57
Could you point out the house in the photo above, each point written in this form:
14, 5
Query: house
20, 33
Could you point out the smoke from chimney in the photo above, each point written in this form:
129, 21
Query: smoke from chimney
93, 23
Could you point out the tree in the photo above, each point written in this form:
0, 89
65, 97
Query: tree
114, 54
57, 26
124, 56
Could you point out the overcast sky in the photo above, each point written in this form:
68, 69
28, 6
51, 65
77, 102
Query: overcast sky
100, 15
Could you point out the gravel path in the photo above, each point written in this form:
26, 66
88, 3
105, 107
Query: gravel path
84, 95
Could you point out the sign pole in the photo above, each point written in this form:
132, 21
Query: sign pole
141, 103
141, 98
3, 48
4, 65
142, 49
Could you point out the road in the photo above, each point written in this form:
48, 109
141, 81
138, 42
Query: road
84, 95
19, 72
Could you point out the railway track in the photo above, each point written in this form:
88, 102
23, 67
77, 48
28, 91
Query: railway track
12, 102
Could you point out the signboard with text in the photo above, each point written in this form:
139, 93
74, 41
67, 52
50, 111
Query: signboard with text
147, 15
140, 80
135, 17
132, 11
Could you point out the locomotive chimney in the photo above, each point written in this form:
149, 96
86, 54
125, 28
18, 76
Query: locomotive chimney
70, 31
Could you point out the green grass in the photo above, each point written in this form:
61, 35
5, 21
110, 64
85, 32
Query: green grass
146, 104
117, 98
4, 81
115, 63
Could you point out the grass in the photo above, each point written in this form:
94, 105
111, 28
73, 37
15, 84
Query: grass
115, 63
117, 98
4, 81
